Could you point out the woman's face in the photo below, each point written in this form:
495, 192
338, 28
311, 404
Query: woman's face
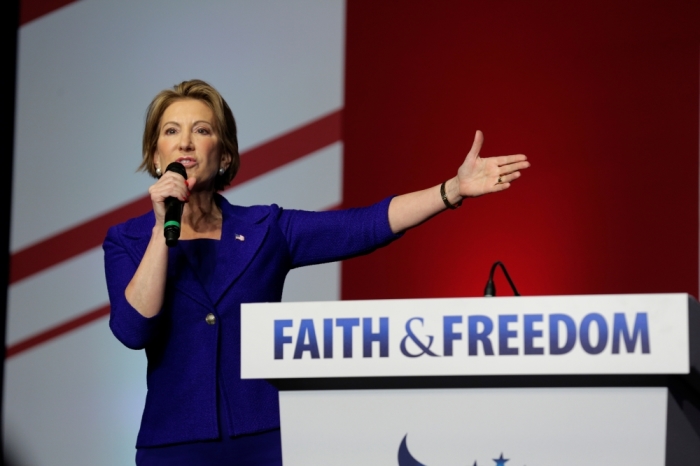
187, 136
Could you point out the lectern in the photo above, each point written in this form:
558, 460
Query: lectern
605, 380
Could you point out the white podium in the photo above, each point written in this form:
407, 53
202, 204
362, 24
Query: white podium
510, 381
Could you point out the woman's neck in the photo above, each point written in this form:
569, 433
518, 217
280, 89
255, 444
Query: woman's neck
201, 217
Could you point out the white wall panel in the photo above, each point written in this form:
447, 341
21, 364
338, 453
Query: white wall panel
529, 426
76, 286
314, 182
55, 295
86, 73
76, 400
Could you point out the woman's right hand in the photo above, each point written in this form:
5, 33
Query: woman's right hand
146, 289
171, 184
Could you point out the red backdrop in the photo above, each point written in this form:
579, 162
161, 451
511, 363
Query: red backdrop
602, 97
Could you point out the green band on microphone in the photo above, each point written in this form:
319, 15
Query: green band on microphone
171, 223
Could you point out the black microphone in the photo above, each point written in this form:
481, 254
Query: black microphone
490, 289
173, 209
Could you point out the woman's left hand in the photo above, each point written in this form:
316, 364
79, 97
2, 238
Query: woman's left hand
474, 178
478, 176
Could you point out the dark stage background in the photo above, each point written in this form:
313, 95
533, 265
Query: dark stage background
602, 97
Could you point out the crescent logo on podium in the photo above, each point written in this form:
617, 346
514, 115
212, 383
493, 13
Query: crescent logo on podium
406, 459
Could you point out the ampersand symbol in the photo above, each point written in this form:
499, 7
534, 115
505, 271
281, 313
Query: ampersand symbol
409, 334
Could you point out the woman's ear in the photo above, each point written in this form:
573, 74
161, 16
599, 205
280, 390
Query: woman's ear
225, 160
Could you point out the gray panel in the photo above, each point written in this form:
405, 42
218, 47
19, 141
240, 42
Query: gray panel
683, 430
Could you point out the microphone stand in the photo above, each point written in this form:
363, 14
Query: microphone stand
490, 289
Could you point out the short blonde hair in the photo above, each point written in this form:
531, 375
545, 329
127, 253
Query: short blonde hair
225, 125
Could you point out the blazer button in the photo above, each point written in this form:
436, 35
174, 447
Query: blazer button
210, 319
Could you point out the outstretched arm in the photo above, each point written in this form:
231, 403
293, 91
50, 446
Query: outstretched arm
475, 177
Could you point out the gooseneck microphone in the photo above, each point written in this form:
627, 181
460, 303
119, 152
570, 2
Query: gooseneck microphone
173, 209
490, 289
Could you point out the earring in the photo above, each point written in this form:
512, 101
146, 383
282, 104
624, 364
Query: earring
158, 172
222, 171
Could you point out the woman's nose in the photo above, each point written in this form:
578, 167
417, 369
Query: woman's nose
186, 141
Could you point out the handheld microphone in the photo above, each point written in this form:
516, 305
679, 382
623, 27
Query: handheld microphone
490, 289
173, 209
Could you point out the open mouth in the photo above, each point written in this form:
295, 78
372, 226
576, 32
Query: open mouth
187, 161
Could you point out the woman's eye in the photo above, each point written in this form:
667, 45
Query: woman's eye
170, 131
202, 131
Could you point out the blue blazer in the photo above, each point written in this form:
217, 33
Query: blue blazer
183, 350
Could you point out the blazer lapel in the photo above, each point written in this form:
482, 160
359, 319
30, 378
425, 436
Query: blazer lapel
241, 238
243, 232
138, 232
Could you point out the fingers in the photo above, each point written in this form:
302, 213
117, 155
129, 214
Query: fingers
476, 145
170, 184
511, 159
478, 176
506, 179
496, 187
513, 167
190, 182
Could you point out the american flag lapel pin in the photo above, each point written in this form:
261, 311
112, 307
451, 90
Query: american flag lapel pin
240, 237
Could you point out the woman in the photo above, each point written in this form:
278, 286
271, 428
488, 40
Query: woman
182, 304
